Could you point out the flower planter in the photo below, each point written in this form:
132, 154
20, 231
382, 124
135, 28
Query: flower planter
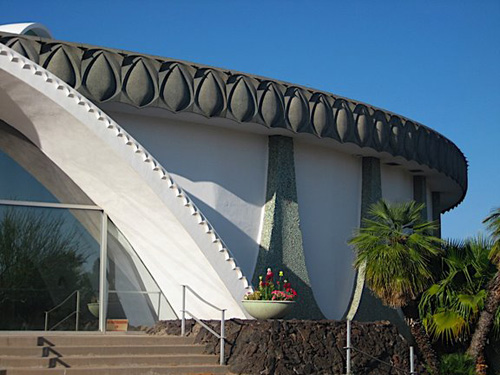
268, 309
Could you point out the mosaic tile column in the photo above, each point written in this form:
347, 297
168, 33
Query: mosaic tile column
436, 211
371, 192
365, 306
281, 246
420, 193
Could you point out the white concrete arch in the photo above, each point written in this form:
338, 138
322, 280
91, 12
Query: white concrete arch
168, 232
27, 28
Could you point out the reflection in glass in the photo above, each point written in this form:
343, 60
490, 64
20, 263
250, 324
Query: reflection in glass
45, 255
133, 293
29, 175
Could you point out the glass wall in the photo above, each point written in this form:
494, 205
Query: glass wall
133, 293
48, 256
51, 248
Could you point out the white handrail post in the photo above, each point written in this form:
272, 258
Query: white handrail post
222, 339
412, 363
77, 309
183, 322
159, 304
348, 348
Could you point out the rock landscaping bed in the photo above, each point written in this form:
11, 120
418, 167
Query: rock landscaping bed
283, 347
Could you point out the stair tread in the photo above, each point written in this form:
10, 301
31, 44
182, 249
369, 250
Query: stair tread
111, 356
119, 354
101, 346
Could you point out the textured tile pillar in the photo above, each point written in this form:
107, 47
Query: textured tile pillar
281, 246
365, 306
420, 193
436, 211
371, 192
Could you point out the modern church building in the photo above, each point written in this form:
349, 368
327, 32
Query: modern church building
126, 176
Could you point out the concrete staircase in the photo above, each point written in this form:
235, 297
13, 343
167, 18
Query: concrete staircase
109, 354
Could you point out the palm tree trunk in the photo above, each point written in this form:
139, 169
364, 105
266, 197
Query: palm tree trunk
424, 345
483, 327
421, 337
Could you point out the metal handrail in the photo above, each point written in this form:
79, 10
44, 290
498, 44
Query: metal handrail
76, 312
159, 292
221, 336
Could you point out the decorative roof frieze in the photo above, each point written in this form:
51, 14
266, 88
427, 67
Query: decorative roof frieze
108, 75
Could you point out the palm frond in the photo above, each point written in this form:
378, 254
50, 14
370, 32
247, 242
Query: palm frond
397, 247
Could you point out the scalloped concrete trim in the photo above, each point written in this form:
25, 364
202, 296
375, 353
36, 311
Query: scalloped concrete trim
221, 259
107, 75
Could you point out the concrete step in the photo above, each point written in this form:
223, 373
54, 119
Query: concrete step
108, 361
128, 370
39, 351
103, 354
94, 339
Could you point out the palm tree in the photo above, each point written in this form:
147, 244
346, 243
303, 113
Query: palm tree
397, 247
451, 306
490, 311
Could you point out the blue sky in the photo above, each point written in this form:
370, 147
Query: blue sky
436, 62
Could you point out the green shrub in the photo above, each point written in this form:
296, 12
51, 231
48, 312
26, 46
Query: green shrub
456, 364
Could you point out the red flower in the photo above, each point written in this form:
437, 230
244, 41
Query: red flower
269, 275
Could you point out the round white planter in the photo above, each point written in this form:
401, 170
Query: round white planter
268, 309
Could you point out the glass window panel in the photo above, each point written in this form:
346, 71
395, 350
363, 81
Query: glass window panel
46, 254
29, 175
133, 293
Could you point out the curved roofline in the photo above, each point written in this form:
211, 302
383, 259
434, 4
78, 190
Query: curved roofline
27, 28
112, 75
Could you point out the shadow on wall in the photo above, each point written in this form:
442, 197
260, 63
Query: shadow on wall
13, 114
242, 246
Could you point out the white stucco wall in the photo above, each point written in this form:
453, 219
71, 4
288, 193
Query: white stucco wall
397, 184
224, 171
329, 195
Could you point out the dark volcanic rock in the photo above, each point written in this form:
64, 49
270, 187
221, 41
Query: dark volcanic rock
283, 347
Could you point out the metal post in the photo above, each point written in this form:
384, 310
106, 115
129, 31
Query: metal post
103, 285
412, 363
222, 339
183, 322
46, 320
77, 309
348, 348
159, 304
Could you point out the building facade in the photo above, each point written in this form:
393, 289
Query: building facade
177, 173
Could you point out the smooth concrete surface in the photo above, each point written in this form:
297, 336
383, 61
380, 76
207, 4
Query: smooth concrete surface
397, 184
329, 190
223, 170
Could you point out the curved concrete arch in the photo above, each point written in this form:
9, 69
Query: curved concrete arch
27, 28
169, 233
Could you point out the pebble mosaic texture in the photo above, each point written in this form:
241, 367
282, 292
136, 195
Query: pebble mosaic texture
281, 246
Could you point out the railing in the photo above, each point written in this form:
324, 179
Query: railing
76, 312
349, 347
143, 292
220, 336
